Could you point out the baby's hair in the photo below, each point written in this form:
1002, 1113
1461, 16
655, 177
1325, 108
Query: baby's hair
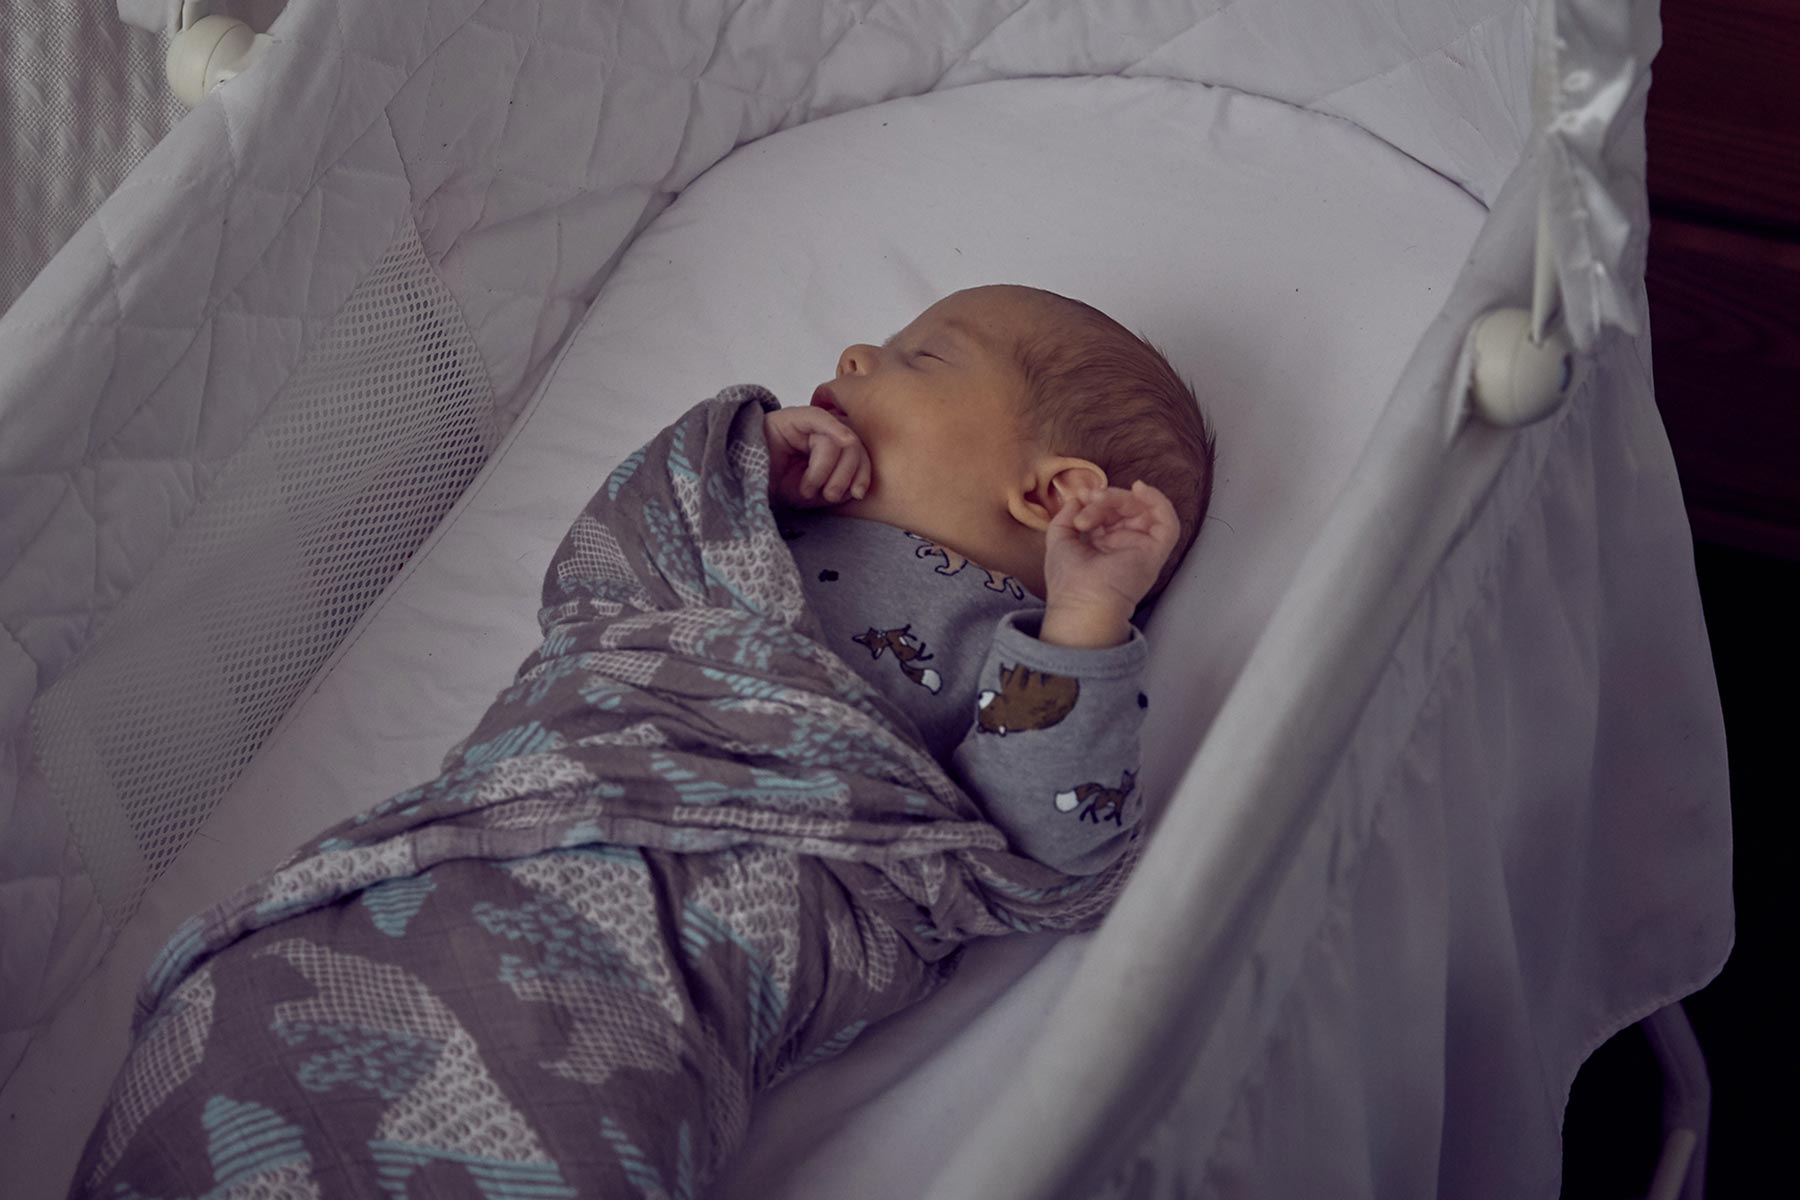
1096, 390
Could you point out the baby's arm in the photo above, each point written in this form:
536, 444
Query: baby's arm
1053, 754
1102, 553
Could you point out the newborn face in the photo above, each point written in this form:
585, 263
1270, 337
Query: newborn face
937, 407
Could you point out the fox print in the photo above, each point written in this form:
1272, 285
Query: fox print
1026, 700
908, 651
952, 562
1101, 800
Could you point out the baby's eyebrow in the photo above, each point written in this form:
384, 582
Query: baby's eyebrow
952, 325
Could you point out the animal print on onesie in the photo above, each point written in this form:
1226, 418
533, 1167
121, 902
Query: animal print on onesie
1024, 725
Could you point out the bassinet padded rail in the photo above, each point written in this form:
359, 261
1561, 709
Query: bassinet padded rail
305, 405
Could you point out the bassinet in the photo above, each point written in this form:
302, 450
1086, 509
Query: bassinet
1446, 792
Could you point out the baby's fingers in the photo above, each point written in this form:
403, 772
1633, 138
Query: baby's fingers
1103, 507
845, 474
1159, 509
825, 453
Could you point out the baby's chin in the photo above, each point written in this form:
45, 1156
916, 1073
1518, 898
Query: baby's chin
875, 506
903, 510
849, 506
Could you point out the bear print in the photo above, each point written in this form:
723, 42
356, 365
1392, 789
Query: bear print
1026, 700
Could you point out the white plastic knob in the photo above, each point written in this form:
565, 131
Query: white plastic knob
1518, 381
207, 53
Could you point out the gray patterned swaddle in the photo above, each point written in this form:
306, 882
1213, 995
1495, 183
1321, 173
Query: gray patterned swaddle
686, 853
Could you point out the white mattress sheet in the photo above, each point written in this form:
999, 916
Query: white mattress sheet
1285, 261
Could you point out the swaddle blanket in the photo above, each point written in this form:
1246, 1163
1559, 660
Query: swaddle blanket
688, 851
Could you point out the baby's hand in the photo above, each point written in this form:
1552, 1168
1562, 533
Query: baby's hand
814, 458
1105, 547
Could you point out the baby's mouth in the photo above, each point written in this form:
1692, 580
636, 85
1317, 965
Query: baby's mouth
822, 398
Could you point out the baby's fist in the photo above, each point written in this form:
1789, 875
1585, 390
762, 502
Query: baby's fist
814, 458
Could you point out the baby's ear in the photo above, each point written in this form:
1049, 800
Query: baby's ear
1054, 483
1077, 477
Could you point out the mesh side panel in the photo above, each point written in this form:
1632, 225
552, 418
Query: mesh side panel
82, 99
385, 422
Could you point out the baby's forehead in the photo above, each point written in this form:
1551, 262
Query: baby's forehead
989, 319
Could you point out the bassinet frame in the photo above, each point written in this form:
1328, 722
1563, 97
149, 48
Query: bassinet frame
1567, 219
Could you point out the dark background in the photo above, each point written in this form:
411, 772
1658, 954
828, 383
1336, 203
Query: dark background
1724, 286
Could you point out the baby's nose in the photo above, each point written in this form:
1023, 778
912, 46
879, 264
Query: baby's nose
857, 360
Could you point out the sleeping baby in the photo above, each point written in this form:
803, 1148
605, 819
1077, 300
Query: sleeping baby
824, 693
982, 449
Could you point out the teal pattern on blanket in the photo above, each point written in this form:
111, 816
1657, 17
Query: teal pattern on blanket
701, 929
244, 1141
393, 904
528, 738
387, 1062
557, 942
622, 473
251, 1151
495, 1179
642, 1173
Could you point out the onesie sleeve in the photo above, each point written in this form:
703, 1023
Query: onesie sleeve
1052, 752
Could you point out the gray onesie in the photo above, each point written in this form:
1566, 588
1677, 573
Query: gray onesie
1044, 737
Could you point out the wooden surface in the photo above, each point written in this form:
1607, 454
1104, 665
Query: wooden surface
1723, 133
1724, 117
